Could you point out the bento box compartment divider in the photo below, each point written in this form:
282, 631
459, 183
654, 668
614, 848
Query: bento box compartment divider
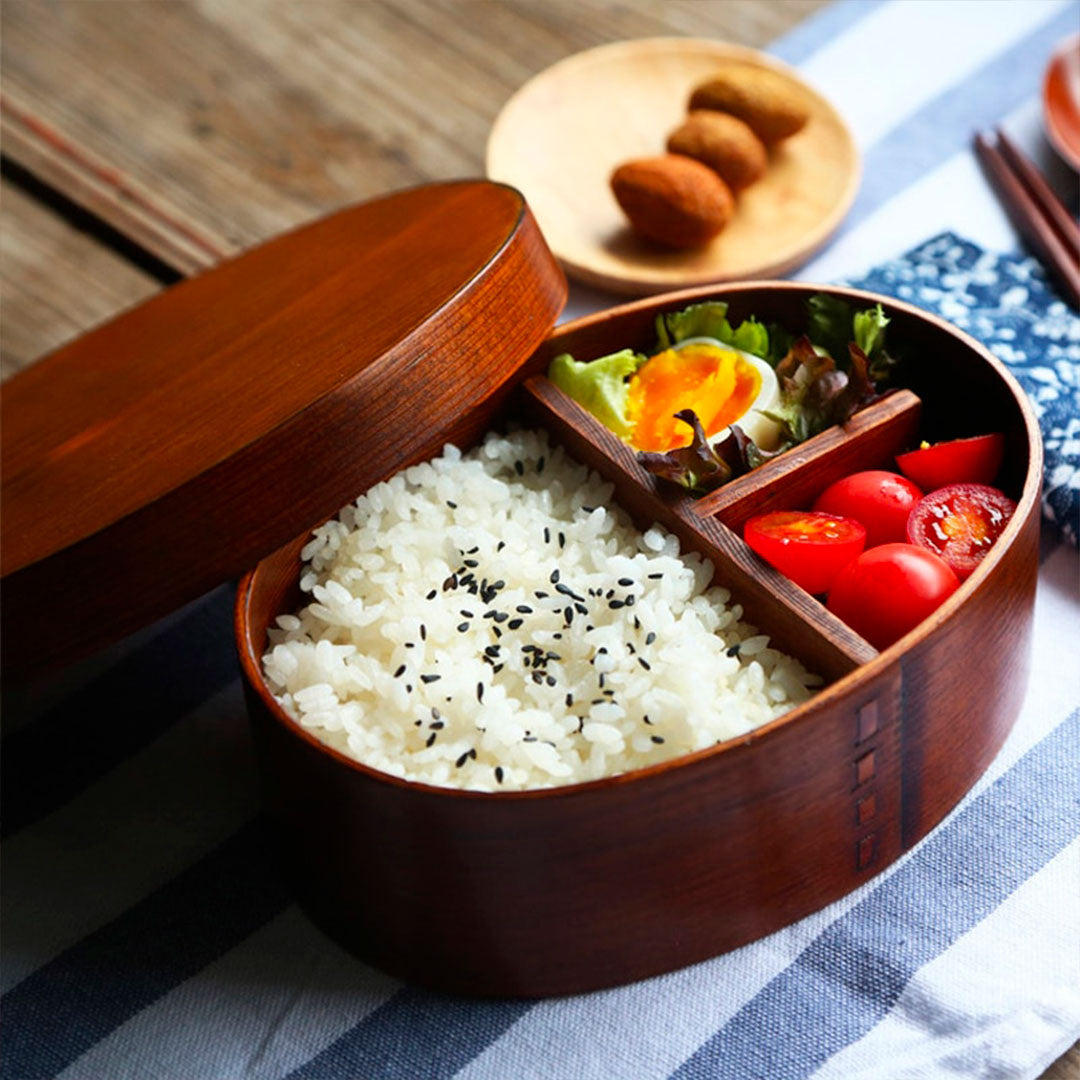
869, 440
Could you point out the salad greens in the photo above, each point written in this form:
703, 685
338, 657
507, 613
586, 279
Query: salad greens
824, 377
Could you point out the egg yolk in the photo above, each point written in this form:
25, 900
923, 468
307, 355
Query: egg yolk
719, 385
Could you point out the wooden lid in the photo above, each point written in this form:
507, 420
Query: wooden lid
172, 448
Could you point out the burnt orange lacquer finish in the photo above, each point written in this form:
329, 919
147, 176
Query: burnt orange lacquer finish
570, 889
172, 448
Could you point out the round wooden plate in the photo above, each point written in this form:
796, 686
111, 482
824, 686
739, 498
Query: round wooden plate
560, 136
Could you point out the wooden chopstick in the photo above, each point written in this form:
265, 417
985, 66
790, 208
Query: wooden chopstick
1034, 210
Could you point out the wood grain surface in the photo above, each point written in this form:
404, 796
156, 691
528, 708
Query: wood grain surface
202, 128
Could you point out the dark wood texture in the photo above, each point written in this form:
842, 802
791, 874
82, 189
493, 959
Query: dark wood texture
570, 889
869, 440
173, 447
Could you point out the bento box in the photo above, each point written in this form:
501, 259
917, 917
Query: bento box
576, 887
211, 429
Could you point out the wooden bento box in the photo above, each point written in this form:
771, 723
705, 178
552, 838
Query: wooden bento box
573, 888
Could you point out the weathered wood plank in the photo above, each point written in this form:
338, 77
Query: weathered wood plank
55, 280
202, 128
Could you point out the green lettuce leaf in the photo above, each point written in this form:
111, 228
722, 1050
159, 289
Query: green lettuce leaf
709, 319
869, 330
599, 386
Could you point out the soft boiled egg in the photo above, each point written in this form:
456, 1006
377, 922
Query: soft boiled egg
723, 385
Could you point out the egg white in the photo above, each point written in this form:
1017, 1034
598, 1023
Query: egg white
765, 432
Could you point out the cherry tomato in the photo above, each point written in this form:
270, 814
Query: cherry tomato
809, 548
880, 500
960, 523
889, 590
973, 461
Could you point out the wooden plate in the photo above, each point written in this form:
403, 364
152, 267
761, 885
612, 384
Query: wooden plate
561, 135
1061, 100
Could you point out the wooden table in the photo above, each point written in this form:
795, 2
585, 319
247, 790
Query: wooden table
144, 141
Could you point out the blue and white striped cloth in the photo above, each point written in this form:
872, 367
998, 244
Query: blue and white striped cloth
146, 934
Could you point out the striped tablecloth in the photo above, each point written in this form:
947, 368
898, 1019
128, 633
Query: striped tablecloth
146, 934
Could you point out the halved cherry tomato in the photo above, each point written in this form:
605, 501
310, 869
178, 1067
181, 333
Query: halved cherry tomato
809, 548
888, 590
971, 461
880, 500
960, 523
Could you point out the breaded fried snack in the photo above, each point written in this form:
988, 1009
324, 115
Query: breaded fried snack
673, 200
723, 142
761, 98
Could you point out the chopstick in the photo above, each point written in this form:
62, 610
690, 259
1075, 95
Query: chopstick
1034, 209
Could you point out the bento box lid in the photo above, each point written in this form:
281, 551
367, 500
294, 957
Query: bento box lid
172, 448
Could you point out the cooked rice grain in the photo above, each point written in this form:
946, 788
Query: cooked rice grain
491, 621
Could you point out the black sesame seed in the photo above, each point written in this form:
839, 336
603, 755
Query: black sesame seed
500, 545
472, 564
551, 680
523, 609
431, 739
496, 669
614, 604
600, 681
602, 649
568, 614
435, 714
431, 595
408, 688
562, 540
418, 722
461, 760
450, 583
400, 671
423, 632
410, 644
631, 601
734, 650
598, 701
498, 774
554, 576
569, 700
610, 693
658, 739
462, 627
637, 623
630, 648
650, 637
588, 626
656, 577
496, 631
480, 692
540, 465
581, 609
430, 678
492, 650
467, 614
626, 581
529, 738
540, 595
557, 636
588, 509
609, 594
519, 468
547, 535
646, 719
644, 663
514, 624
500, 584
437, 725
452, 505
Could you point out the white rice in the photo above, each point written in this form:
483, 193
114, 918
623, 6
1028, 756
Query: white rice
388, 664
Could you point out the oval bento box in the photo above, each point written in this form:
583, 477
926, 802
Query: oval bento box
210, 429
594, 884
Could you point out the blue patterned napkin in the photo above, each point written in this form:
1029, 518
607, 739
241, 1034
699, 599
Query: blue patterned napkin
1006, 302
